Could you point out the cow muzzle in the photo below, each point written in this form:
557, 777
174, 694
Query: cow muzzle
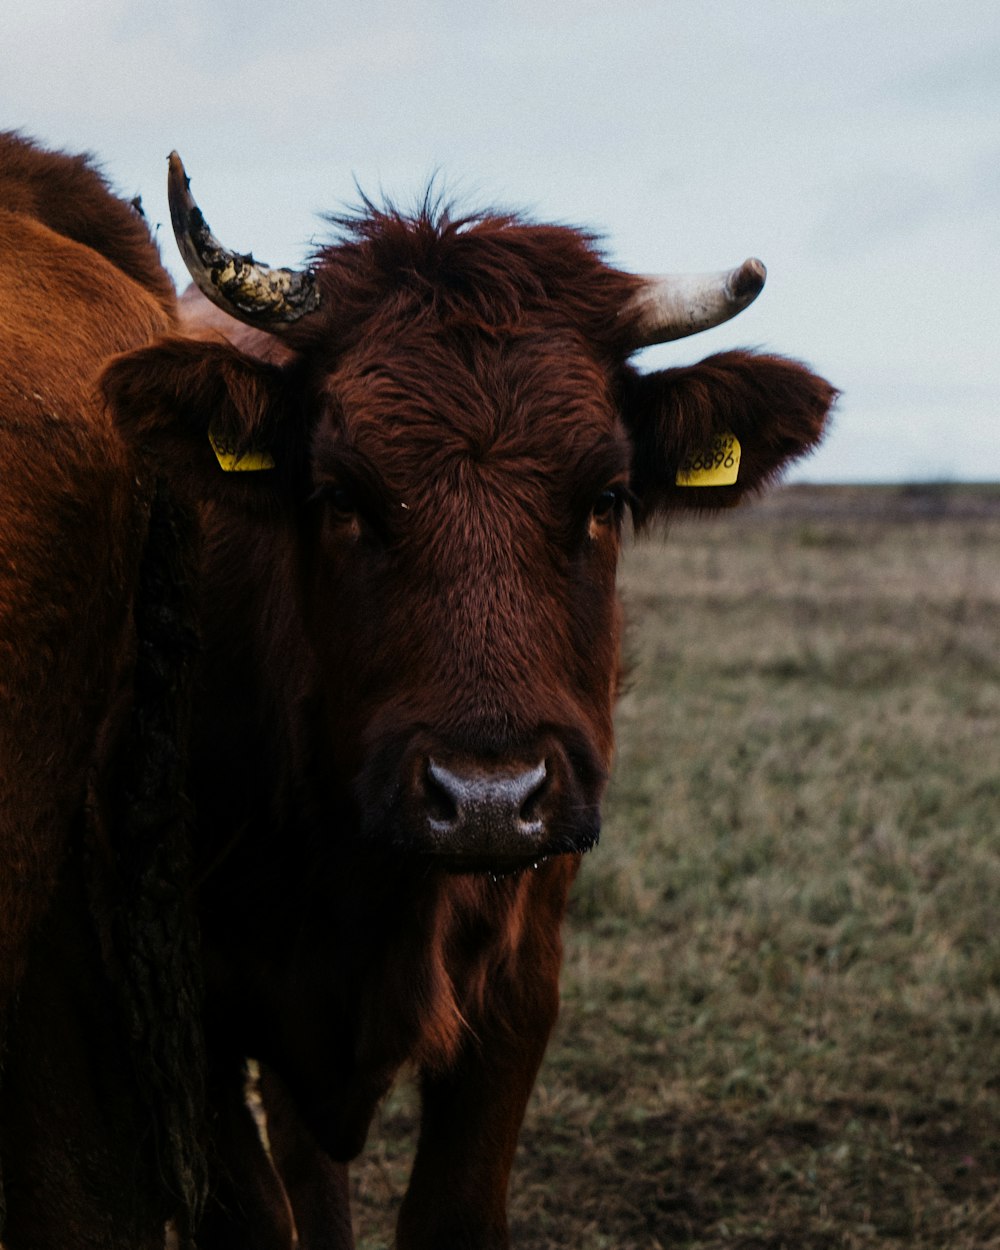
493, 811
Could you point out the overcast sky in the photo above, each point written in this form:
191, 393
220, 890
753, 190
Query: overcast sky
854, 147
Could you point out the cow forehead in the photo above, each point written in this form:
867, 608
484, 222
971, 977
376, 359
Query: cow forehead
419, 400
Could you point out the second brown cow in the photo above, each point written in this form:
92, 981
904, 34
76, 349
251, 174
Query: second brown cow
100, 1122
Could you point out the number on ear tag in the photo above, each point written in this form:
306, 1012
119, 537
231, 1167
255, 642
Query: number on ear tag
718, 465
231, 461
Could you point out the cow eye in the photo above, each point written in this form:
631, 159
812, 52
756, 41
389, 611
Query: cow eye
608, 504
340, 501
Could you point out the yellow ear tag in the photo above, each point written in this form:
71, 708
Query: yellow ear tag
230, 461
719, 465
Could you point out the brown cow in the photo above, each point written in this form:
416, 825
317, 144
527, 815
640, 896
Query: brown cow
404, 727
88, 824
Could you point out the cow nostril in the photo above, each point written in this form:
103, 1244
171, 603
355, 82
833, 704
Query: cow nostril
530, 812
442, 806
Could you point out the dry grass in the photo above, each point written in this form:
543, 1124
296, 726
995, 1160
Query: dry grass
781, 1021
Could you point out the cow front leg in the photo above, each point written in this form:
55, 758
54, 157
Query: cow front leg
316, 1186
472, 1113
471, 1117
246, 1207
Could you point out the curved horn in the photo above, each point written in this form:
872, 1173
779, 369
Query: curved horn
671, 306
270, 299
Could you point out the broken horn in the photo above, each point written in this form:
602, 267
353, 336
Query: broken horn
270, 299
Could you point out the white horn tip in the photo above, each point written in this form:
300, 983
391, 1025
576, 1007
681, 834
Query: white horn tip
747, 282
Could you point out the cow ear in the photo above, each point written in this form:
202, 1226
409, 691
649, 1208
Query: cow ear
218, 422
707, 435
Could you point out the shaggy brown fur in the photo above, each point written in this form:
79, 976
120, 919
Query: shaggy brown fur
83, 1095
427, 574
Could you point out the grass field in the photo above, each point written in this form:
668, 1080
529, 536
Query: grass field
781, 1010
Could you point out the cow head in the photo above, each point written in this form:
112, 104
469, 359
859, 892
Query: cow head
450, 447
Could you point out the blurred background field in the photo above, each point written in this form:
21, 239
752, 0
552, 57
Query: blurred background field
781, 996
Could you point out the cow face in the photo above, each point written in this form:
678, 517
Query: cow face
454, 444
465, 505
